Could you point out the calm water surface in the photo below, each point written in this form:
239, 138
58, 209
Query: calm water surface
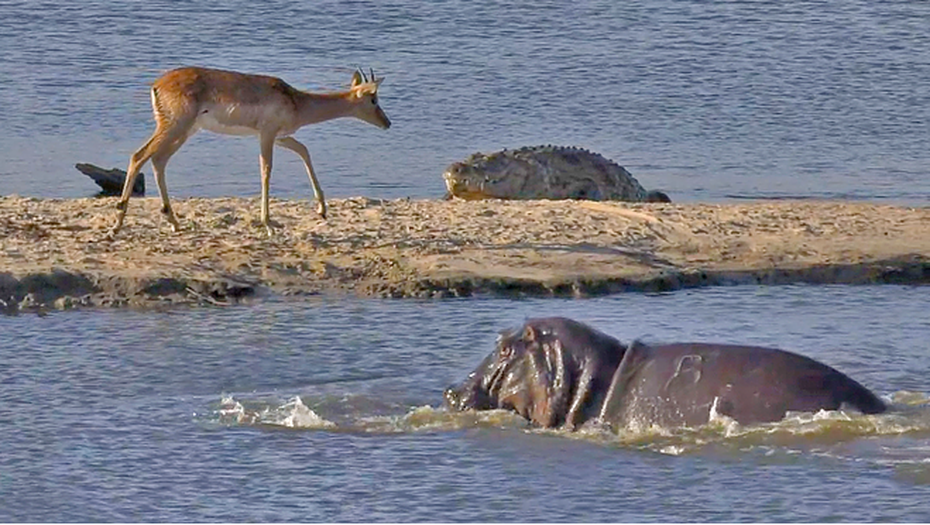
706, 100
330, 410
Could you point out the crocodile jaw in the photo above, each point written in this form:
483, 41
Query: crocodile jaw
464, 185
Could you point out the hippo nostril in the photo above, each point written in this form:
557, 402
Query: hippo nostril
451, 398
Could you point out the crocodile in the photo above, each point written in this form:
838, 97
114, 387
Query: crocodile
544, 172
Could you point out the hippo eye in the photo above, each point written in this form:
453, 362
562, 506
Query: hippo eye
505, 351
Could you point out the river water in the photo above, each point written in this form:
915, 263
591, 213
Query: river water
706, 100
329, 409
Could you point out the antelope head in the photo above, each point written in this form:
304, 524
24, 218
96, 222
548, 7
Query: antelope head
364, 91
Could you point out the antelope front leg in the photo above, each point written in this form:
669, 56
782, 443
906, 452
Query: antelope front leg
267, 148
294, 145
135, 164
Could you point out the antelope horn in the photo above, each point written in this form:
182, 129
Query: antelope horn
372, 74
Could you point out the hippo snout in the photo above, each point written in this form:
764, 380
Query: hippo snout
472, 392
452, 398
459, 398
465, 397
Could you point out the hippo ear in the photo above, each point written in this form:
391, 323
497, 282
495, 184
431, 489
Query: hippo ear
529, 334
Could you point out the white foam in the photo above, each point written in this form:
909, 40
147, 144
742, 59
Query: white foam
292, 414
729, 425
909, 398
230, 409
298, 415
427, 418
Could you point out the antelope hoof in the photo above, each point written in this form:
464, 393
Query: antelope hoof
169, 214
111, 233
321, 209
269, 226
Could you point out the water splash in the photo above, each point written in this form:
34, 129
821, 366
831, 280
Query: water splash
908, 398
825, 431
909, 416
232, 411
292, 414
427, 418
298, 415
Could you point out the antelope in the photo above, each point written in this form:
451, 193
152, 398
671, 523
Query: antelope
188, 99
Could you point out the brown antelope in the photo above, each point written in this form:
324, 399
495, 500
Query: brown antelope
192, 98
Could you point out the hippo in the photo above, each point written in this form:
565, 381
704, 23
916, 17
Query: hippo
557, 372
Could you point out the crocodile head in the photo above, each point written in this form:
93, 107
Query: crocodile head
480, 176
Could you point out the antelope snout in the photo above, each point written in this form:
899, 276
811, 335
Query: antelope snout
383, 121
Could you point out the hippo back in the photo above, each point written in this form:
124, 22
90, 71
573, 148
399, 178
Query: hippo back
684, 384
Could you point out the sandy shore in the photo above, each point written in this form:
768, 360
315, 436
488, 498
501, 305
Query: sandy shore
54, 253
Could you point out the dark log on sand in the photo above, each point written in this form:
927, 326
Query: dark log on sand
111, 181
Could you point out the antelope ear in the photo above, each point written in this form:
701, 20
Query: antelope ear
357, 78
363, 89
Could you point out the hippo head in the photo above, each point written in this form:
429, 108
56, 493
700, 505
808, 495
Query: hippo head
536, 371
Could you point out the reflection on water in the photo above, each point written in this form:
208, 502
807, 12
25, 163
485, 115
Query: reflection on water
330, 410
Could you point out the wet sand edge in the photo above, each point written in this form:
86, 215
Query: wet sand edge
54, 253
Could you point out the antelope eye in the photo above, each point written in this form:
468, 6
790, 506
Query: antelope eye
374, 100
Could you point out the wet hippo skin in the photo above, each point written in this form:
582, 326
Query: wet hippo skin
559, 372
